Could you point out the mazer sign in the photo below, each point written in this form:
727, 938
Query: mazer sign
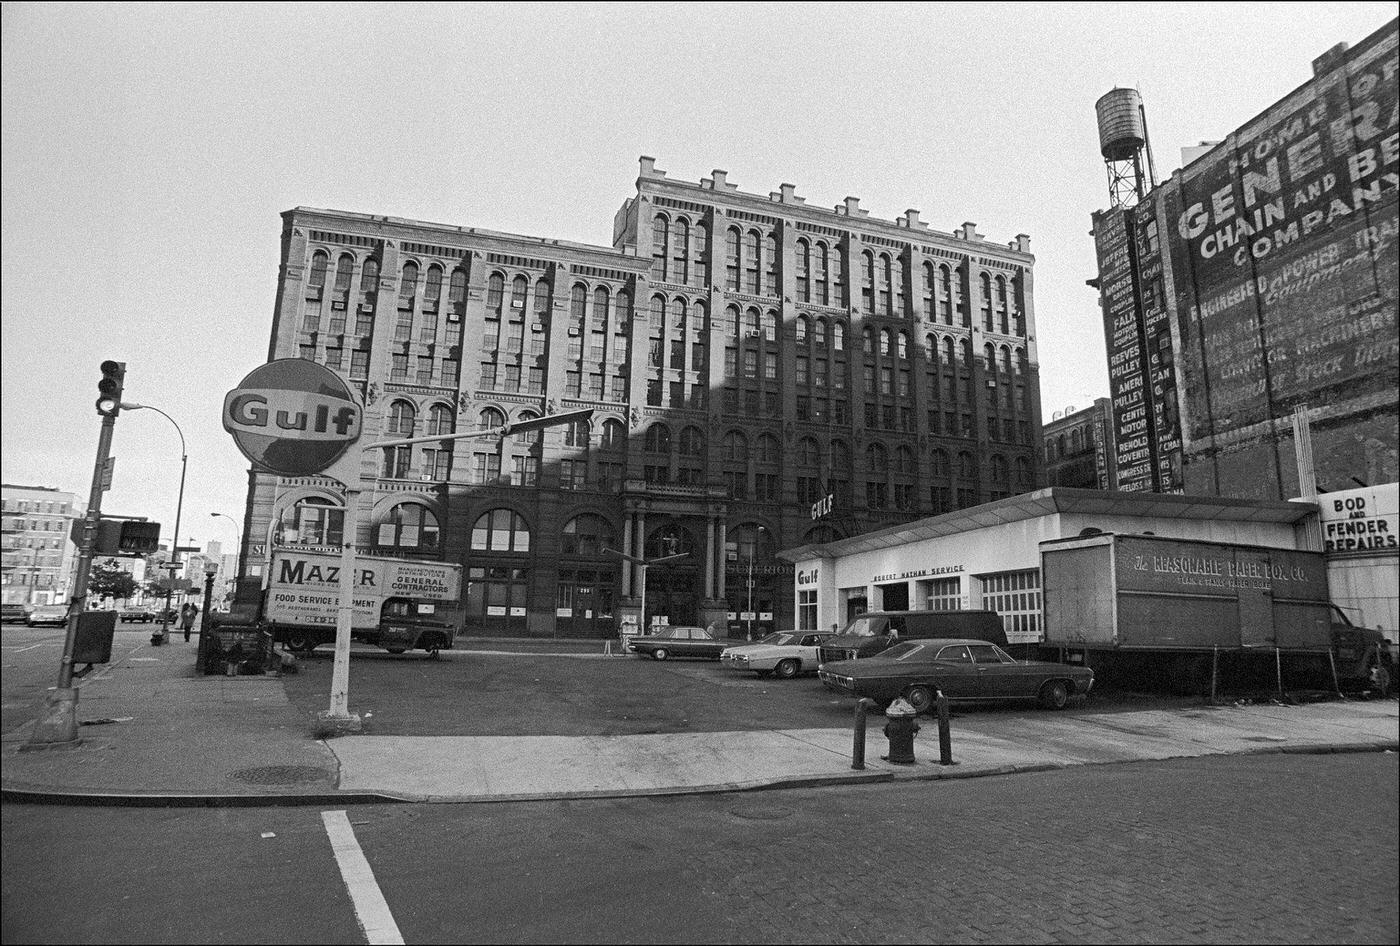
293, 417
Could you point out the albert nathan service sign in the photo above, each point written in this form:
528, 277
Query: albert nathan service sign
293, 417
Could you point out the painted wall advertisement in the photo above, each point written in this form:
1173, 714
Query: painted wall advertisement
1363, 520
1282, 245
1122, 331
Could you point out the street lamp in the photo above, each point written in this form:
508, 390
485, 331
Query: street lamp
338, 717
642, 565
237, 535
158, 637
752, 546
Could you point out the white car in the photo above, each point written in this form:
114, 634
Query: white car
786, 653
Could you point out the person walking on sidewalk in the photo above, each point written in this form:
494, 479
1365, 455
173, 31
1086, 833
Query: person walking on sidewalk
187, 614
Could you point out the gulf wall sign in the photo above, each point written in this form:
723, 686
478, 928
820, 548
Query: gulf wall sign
293, 417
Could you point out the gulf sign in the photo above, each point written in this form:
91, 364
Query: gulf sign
293, 417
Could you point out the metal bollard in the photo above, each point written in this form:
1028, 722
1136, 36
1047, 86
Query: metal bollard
863, 705
945, 737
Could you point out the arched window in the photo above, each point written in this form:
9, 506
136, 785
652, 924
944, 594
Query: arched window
752, 260
587, 535
945, 293
490, 418
500, 530
986, 283
804, 271
949, 353
577, 301
408, 280
736, 446
965, 351
989, 357
885, 341
680, 250
1075, 444
344, 269
886, 276
903, 341
819, 333
319, 262
519, 287
809, 452
624, 312
369, 277
838, 335
1023, 472
658, 439
432, 286
904, 460
867, 341
823, 274
840, 457
408, 526
751, 321
495, 295
731, 261
770, 326
441, 420
692, 442
931, 344
1006, 361
600, 308
614, 435
930, 292
659, 252
401, 418
938, 462
457, 289
1002, 314
803, 327
312, 521
867, 277
751, 542
769, 450
731, 321
529, 436
877, 459
999, 471
576, 434
967, 469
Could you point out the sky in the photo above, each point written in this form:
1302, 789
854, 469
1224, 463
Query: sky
149, 149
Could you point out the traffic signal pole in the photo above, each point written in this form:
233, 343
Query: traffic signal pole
59, 723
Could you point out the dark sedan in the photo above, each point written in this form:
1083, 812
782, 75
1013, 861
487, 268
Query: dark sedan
679, 641
965, 670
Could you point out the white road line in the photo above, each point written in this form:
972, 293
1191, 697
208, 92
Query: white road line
20, 650
371, 909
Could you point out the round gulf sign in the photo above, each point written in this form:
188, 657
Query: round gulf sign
293, 417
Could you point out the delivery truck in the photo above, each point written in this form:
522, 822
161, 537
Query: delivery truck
400, 604
1172, 606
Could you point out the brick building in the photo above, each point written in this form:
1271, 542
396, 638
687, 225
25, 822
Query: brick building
34, 541
1078, 451
746, 356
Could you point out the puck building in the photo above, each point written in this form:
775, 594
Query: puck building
763, 373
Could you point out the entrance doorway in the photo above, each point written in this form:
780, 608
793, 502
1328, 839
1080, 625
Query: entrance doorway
894, 597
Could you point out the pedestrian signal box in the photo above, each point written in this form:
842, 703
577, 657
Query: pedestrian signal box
126, 537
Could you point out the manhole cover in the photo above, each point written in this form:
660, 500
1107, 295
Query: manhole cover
281, 775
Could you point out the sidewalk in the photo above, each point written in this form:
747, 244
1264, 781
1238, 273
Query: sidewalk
152, 732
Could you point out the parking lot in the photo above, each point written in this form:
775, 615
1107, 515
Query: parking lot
572, 689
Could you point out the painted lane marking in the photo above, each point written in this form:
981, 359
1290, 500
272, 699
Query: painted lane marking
371, 909
19, 650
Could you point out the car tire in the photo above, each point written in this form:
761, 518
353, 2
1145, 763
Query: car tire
660, 654
787, 669
921, 698
1054, 695
301, 643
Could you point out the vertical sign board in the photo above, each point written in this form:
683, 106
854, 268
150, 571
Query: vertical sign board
1159, 376
1126, 382
1282, 244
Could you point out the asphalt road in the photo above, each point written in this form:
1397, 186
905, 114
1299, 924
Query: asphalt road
29, 663
1239, 849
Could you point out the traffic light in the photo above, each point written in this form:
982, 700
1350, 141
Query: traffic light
113, 377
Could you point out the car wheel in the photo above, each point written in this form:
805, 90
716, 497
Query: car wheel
659, 654
1054, 695
301, 643
920, 697
787, 669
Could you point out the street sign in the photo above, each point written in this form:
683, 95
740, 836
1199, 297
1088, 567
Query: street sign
293, 417
107, 469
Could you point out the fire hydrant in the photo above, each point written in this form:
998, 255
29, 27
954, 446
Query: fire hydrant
900, 731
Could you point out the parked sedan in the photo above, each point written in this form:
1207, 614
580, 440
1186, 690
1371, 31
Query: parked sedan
48, 614
137, 616
679, 641
965, 670
13, 613
786, 653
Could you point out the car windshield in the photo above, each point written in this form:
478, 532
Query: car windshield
864, 627
778, 638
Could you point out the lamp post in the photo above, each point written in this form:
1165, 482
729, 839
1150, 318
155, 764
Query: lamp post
158, 636
338, 717
642, 565
236, 537
752, 546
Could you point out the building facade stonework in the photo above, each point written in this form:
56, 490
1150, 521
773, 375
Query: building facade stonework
751, 361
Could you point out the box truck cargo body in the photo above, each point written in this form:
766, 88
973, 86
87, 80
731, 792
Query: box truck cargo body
1145, 594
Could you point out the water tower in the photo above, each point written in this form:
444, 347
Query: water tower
1122, 141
